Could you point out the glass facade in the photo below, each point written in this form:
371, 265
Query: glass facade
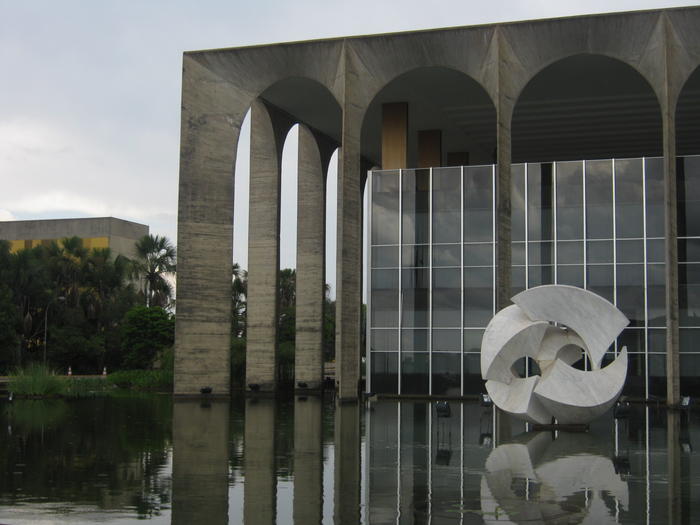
596, 224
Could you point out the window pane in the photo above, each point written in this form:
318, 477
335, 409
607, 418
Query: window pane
571, 275
630, 251
689, 294
656, 250
385, 207
540, 253
539, 205
517, 279
629, 219
600, 280
414, 305
414, 373
478, 200
654, 171
657, 341
385, 298
385, 340
478, 254
688, 188
539, 275
447, 341
688, 340
517, 202
517, 253
630, 292
478, 296
446, 375
472, 340
690, 374
447, 205
599, 251
689, 250
632, 338
447, 298
385, 372
657, 375
415, 192
569, 200
447, 255
599, 218
414, 340
473, 384
570, 252
385, 256
415, 256
656, 294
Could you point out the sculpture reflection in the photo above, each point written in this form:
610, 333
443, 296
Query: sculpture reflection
539, 479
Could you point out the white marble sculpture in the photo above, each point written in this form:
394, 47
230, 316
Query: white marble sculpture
553, 324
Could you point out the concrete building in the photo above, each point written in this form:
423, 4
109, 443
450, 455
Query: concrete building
118, 235
524, 110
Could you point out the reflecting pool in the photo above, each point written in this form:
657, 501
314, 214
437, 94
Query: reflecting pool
309, 460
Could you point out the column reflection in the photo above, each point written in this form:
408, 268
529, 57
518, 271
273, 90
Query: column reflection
308, 461
260, 490
347, 464
200, 462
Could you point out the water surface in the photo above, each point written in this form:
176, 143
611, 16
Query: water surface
308, 461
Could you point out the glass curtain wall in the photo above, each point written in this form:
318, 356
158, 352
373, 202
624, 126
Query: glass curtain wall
595, 224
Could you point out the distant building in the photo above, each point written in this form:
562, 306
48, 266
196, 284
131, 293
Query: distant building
100, 232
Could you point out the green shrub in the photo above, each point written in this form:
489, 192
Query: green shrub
87, 386
36, 380
238, 346
159, 380
145, 333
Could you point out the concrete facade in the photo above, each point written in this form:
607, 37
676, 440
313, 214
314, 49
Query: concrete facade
219, 86
118, 235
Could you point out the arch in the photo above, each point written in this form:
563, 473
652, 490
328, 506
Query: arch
586, 106
441, 98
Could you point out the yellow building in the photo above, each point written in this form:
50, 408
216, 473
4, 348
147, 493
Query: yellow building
101, 232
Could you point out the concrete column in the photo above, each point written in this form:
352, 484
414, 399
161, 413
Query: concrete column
504, 115
673, 395
308, 460
349, 249
200, 462
311, 261
266, 142
260, 490
210, 125
347, 464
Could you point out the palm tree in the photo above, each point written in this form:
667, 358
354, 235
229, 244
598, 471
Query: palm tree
155, 259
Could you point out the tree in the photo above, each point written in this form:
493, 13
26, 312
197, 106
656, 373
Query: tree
239, 288
146, 332
155, 259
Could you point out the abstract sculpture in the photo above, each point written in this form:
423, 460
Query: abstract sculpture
553, 324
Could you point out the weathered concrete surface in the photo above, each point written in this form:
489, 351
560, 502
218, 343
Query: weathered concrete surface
210, 127
200, 462
662, 45
260, 490
266, 142
308, 460
311, 262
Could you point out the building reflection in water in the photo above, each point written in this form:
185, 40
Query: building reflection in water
418, 464
200, 462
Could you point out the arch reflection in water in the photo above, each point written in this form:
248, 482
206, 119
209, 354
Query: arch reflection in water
539, 479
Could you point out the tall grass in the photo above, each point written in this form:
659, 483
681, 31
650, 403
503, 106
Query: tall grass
36, 380
156, 380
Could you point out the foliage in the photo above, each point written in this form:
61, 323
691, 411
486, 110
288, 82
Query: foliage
87, 386
36, 380
285, 364
154, 261
146, 332
238, 346
156, 380
239, 288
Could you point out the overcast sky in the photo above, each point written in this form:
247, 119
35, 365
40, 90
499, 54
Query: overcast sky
90, 92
